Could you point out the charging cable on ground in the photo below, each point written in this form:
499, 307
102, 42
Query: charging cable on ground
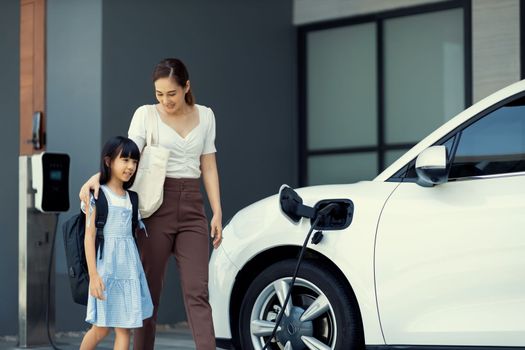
323, 212
49, 287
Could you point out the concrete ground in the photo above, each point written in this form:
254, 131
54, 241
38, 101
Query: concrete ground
177, 337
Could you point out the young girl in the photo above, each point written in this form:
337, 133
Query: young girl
118, 292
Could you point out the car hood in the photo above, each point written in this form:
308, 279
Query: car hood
265, 216
310, 195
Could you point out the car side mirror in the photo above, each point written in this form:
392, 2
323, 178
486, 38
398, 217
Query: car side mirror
431, 166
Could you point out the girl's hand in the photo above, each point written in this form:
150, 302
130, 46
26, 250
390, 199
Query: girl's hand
216, 230
96, 287
91, 184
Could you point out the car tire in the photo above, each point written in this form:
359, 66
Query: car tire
336, 324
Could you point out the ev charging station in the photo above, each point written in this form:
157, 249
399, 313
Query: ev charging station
43, 193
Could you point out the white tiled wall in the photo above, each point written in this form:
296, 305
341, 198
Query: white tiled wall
495, 45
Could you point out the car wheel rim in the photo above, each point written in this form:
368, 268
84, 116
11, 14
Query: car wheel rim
308, 322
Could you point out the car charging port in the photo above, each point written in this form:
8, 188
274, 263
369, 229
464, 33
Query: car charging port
338, 217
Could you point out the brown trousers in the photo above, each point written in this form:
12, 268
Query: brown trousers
179, 227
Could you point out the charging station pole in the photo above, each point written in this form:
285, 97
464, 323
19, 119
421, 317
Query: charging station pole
36, 231
43, 187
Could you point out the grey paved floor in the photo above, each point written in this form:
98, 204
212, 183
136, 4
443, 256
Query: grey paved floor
177, 337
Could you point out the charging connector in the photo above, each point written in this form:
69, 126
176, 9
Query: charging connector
323, 213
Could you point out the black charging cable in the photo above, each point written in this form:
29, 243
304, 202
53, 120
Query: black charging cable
321, 213
49, 286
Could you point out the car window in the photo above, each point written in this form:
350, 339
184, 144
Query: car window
495, 144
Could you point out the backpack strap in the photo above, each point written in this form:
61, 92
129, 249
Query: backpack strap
100, 220
134, 197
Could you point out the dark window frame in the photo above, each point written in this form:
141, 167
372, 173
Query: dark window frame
382, 147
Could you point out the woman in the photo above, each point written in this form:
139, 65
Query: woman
179, 226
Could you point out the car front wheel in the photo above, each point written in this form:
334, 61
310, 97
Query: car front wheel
322, 312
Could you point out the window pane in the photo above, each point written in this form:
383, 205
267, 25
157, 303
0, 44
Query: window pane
345, 168
341, 96
493, 145
424, 73
392, 156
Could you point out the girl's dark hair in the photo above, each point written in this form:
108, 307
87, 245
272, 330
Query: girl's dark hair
117, 146
174, 68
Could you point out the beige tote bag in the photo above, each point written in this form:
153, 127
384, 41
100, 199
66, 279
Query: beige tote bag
149, 182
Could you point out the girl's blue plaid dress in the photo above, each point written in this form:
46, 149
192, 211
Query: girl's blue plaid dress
128, 300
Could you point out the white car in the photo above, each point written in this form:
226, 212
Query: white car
430, 253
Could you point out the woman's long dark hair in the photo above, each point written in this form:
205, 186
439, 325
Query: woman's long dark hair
117, 146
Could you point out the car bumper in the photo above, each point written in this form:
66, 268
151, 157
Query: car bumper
221, 280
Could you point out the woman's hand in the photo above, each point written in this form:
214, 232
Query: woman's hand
216, 230
96, 287
92, 184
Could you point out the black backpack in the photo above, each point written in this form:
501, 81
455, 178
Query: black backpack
74, 232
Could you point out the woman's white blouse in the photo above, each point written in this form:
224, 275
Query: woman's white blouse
184, 159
